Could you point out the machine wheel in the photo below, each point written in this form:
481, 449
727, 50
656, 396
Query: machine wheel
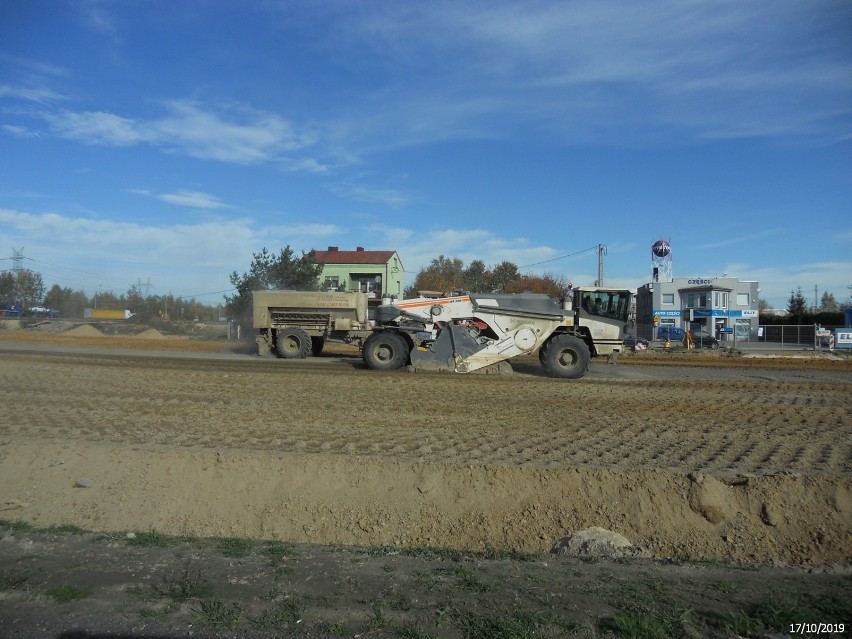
385, 351
317, 344
566, 356
293, 343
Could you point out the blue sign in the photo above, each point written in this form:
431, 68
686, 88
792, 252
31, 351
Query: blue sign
727, 330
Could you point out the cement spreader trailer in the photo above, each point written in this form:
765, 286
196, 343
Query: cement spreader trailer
461, 332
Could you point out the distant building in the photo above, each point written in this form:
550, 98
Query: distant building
372, 272
721, 306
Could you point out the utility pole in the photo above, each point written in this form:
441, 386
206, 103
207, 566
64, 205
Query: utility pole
601, 253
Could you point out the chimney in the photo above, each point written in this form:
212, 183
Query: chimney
360, 249
331, 249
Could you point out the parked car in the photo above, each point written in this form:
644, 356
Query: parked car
41, 311
703, 339
631, 341
670, 333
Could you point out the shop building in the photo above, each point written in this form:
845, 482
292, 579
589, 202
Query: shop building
724, 307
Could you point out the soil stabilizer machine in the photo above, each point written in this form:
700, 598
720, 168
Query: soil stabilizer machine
468, 332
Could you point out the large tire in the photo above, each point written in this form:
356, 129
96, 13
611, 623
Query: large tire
317, 344
566, 356
293, 343
385, 351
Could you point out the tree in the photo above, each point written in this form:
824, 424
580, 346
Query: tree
443, 274
548, 284
7, 287
66, 302
449, 273
24, 287
828, 304
797, 305
269, 271
477, 277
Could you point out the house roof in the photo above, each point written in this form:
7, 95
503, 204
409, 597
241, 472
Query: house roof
358, 256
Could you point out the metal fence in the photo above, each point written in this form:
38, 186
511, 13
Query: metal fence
779, 336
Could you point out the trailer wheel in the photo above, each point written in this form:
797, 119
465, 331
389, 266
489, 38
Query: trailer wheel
293, 343
566, 356
385, 351
317, 344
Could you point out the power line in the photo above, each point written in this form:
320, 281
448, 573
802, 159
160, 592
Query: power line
562, 257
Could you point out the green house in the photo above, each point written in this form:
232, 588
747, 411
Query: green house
372, 272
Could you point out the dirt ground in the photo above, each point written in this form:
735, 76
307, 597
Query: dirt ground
377, 502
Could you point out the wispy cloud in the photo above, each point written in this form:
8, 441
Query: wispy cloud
193, 199
372, 194
601, 71
38, 95
20, 131
735, 238
96, 127
234, 134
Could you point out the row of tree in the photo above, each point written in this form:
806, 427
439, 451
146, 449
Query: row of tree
828, 313
26, 288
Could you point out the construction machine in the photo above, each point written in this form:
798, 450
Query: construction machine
465, 332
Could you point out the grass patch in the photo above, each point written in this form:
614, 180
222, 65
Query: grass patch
338, 629
778, 616
636, 625
66, 529
218, 614
468, 580
152, 539
157, 614
64, 593
12, 582
726, 586
515, 624
236, 546
290, 612
17, 526
412, 631
278, 551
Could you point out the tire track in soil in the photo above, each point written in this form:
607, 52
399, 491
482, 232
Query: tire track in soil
753, 424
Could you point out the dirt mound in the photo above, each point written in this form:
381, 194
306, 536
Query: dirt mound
151, 333
84, 330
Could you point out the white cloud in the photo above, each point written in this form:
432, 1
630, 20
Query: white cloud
597, 71
777, 282
82, 253
193, 199
237, 134
20, 131
39, 95
371, 194
96, 127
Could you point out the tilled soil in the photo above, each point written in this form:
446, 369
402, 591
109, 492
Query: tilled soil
700, 457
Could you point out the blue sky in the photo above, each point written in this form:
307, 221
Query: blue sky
164, 142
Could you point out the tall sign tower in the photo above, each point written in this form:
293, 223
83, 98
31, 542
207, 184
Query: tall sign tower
661, 261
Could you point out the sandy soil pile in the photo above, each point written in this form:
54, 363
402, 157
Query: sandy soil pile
84, 330
702, 462
151, 333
